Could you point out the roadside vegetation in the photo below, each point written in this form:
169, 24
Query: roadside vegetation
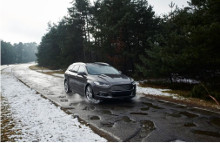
46, 70
7, 122
18, 53
128, 35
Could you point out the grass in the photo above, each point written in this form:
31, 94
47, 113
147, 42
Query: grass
42, 70
7, 123
36, 67
55, 72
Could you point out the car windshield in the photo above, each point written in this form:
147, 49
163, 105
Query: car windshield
96, 69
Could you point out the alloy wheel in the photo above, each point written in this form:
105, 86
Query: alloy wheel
90, 96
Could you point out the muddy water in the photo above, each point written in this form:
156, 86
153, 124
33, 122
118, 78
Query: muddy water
141, 119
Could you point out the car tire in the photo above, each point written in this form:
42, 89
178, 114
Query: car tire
90, 95
66, 86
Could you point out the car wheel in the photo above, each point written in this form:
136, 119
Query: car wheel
66, 86
90, 95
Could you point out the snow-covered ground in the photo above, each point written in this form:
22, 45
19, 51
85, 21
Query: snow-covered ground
59, 75
38, 118
154, 91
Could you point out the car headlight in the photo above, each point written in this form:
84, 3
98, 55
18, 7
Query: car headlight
133, 83
101, 84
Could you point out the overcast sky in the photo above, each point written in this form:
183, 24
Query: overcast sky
26, 20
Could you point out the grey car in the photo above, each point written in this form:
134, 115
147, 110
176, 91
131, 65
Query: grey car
98, 81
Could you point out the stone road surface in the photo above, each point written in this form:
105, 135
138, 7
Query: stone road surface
142, 119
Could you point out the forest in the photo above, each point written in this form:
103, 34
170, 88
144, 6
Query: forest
18, 52
129, 35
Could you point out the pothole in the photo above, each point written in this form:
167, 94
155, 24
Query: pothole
106, 112
176, 115
189, 115
94, 117
215, 121
151, 105
107, 124
207, 133
189, 125
147, 127
145, 109
138, 113
126, 119
89, 108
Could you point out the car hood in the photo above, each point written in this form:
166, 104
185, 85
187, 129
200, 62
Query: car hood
114, 79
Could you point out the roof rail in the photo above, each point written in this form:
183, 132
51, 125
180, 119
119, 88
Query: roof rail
101, 63
79, 63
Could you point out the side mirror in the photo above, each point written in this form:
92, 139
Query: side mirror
120, 72
81, 73
71, 70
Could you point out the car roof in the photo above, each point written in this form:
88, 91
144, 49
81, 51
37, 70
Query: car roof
98, 63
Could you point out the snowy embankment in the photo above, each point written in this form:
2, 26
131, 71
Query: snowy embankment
156, 91
38, 118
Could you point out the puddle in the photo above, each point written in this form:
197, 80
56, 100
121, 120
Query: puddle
106, 112
189, 125
138, 113
207, 133
176, 115
94, 118
174, 105
215, 121
90, 108
64, 100
208, 113
145, 109
107, 124
126, 119
146, 128
74, 104
61, 96
151, 105
147, 125
189, 115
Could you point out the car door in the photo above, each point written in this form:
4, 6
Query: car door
81, 79
72, 77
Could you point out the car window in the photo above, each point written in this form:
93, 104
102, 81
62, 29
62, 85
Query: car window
75, 68
96, 69
70, 67
82, 69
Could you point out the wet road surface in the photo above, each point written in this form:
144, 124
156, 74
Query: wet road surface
142, 119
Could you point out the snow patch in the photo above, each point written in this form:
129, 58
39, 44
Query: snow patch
59, 75
154, 91
39, 119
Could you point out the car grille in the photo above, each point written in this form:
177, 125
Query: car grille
121, 94
122, 87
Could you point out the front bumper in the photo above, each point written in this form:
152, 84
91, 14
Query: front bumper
108, 93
